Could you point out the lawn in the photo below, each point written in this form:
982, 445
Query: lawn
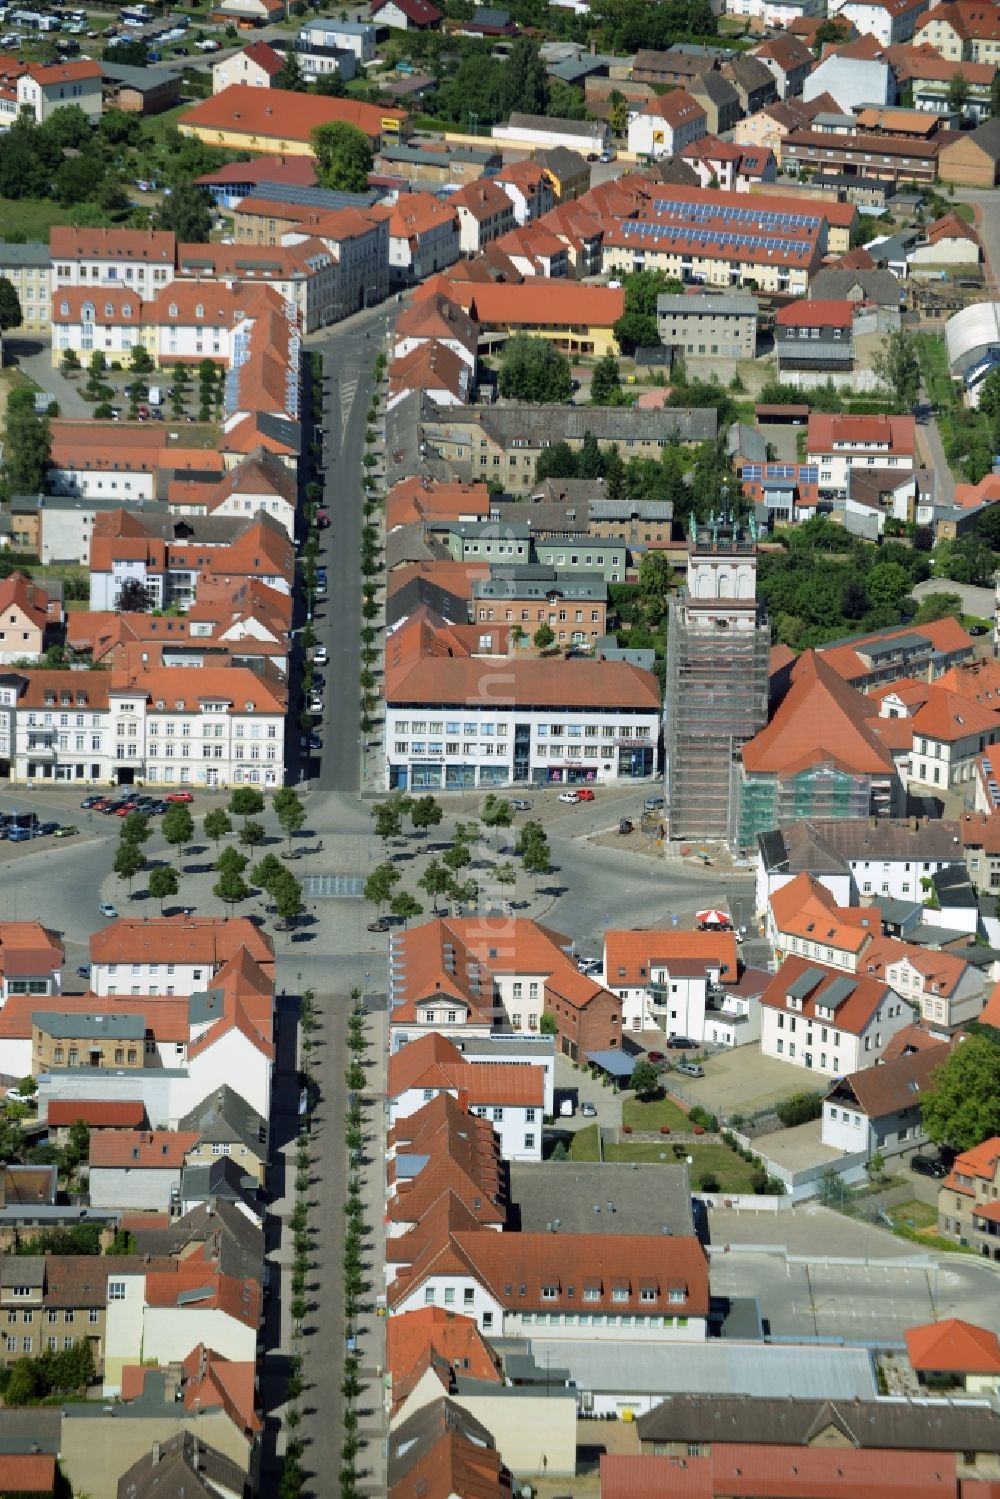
584, 1146
914, 1214
730, 1170
651, 1114
34, 217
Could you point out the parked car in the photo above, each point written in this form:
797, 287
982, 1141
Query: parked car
315, 742
588, 1110
518, 804
91, 801
979, 629
681, 1043
624, 826
928, 1165
690, 1069
158, 808
47, 829
320, 656
653, 804
654, 1056
66, 831
322, 519
19, 835
585, 795
381, 924
108, 911
179, 796
569, 796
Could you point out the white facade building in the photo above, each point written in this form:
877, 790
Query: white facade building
828, 1022
889, 21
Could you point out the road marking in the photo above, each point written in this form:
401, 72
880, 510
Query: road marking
348, 389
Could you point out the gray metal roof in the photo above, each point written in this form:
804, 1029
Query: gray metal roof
421, 156
312, 197
805, 983
834, 994
31, 253
587, 130
95, 1027
933, 1425
714, 304
717, 1367
592, 1197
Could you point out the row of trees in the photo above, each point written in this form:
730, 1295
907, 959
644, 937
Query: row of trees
292, 1472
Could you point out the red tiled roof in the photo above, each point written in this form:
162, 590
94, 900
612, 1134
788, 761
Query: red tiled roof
433, 1336
750, 1472
265, 57
888, 434
822, 720
852, 1014
953, 1347
211, 940
128, 1114
527, 683
269, 113
815, 314
27, 1473
142, 1150
635, 951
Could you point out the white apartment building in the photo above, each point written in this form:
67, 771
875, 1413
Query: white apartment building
828, 1022
45, 88
142, 260
181, 727
889, 21
836, 444
775, 14
347, 36
453, 723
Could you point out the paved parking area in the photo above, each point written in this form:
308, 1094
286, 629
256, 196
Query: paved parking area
741, 1081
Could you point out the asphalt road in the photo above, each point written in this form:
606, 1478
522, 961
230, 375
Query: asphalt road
348, 357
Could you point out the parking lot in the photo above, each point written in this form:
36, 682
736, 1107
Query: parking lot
741, 1081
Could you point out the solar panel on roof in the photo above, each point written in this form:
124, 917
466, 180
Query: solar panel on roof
837, 992
805, 983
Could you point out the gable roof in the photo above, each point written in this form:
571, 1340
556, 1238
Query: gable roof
264, 56
893, 1085
635, 951
433, 1337
812, 980
243, 110
822, 720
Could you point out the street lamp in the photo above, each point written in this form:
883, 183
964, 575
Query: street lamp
473, 122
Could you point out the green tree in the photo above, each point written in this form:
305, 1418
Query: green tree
380, 884
388, 822
655, 577
888, 584
128, 862
135, 828
425, 813
177, 826
897, 366
267, 872
77, 1146
961, 1105
252, 834
290, 75
645, 1080
217, 824
532, 370
958, 93
525, 85
497, 811
606, 382
405, 907
617, 111
10, 305
70, 362
343, 156
246, 801
330, 84
287, 894
27, 443
290, 812
231, 860
163, 883
636, 330
188, 212
230, 888
537, 858
830, 32
543, 636
435, 881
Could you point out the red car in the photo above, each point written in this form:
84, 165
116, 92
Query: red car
586, 795
179, 796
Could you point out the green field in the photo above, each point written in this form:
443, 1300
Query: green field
731, 1171
34, 217
584, 1146
651, 1114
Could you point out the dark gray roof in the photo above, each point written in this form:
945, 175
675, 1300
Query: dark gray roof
182, 1467
23, 1270
674, 169
924, 1426
94, 1027
542, 425
39, 1427
715, 303
421, 156
240, 1242
513, 583
829, 845
543, 515
225, 1117
221, 1180
143, 80
32, 252
489, 15
987, 138
413, 1439
413, 544
561, 160
714, 87
878, 286
585, 129
312, 197
600, 1198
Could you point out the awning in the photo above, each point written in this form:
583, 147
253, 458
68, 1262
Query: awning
618, 1063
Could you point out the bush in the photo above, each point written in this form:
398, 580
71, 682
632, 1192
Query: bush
758, 1181
698, 1115
799, 1109
708, 1181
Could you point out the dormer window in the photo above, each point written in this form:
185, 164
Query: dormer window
109, 309
550, 1293
172, 310
199, 311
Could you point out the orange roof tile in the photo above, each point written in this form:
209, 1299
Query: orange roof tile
269, 113
853, 1014
527, 683
428, 499
166, 1019
211, 940
822, 720
96, 1113
634, 952
431, 1337
953, 1347
142, 1150
948, 717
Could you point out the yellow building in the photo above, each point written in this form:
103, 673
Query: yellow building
28, 268
576, 319
277, 121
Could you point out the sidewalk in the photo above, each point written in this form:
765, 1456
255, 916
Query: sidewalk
371, 1328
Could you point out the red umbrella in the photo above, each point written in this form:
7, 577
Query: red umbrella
712, 918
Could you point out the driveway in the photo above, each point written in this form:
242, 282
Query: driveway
978, 601
33, 355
